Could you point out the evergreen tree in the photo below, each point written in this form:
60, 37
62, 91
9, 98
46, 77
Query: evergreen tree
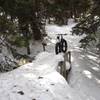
32, 14
89, 24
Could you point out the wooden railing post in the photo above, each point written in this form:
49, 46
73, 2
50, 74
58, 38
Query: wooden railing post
62, 64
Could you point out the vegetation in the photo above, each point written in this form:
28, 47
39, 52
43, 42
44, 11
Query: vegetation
24, 20
89, 25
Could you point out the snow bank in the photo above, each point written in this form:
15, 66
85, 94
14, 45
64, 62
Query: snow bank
36, 81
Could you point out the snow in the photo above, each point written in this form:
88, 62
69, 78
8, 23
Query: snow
38, 80
84, 77
33, 44
68, 65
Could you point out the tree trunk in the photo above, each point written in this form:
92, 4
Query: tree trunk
24, 27
28, 48
36, 31
26, 34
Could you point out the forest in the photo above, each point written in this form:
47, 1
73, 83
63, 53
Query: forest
25, 19
24, 24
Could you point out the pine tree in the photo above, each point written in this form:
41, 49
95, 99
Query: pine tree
89, 25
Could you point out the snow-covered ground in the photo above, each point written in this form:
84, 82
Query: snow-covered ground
85, 74
39, 80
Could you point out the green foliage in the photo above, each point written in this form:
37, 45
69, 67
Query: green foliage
89, 25
30, 15
18, 41
6, 26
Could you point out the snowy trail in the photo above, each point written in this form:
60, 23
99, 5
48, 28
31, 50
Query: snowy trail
85, 75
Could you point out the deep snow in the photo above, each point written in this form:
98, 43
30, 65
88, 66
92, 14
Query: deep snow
39, 80
85, 74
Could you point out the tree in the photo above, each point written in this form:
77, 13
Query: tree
31, 16
89, 25
25, 13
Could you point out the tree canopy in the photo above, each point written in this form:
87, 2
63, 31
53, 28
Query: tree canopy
25, 19
89, 25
